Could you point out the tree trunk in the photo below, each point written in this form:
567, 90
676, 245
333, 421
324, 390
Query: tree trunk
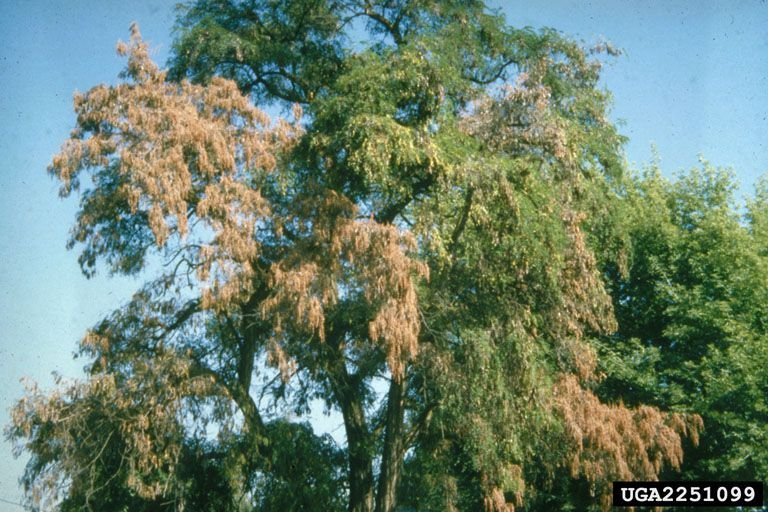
360, 460
391, 460
346, 389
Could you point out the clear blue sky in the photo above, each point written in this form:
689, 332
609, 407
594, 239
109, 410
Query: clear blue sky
693, 81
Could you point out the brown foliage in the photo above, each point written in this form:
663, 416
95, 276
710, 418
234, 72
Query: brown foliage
86, 423
351, 256
188, 160
614, 442
178, 155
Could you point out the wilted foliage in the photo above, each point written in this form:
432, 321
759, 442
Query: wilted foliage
427, 220
108, 433
612, 442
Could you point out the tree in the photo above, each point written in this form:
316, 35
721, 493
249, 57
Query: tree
691, 312
424, 224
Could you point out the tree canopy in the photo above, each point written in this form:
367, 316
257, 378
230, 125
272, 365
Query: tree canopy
692, 316
436, 239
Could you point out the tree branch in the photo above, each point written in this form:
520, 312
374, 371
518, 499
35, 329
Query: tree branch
391, 28
418, 425
459, 229
237, 394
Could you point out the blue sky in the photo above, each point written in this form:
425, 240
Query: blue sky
693, 81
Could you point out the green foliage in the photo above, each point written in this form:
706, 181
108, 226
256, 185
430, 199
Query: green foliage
278, 49
306, 472
692, 308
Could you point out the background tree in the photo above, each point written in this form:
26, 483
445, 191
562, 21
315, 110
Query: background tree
692, 316
426, 222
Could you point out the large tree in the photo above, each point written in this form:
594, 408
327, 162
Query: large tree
692, 312
414, 248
